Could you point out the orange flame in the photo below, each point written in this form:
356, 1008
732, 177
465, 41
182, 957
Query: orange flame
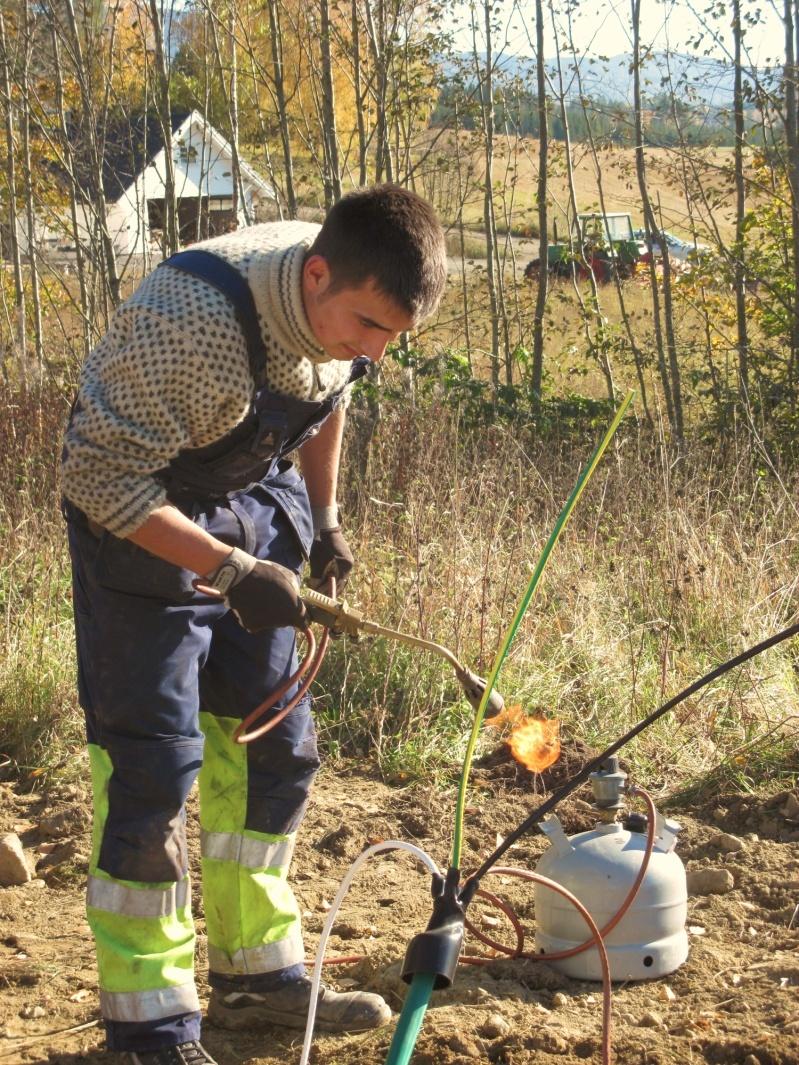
508, 715
536, 743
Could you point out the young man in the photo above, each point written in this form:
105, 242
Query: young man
227, 357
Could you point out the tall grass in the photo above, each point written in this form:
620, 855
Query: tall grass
669, 565
667, 568
39, 723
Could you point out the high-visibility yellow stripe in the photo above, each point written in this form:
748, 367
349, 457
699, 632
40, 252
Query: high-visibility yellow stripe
266, 958
149, 1005
116, 896
244, 849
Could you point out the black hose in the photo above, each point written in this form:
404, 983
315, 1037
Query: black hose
472, 884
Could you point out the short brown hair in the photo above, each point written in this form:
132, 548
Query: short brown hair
391, 235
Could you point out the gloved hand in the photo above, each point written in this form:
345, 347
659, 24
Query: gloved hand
262, 595
330, 555
267, 598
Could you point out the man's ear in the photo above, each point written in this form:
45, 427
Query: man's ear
316, 274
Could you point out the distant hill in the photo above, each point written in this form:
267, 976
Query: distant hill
702, 79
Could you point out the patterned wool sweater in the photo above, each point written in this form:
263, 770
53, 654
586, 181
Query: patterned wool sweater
172, 372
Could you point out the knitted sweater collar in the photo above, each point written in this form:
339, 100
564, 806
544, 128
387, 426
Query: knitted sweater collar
278, 299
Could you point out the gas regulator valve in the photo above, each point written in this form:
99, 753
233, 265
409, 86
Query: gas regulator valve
608, 784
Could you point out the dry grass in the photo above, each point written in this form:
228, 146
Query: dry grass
666, 570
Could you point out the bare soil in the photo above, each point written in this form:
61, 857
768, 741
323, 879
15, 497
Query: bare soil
734, 1002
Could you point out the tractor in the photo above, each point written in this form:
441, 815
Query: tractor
604, 244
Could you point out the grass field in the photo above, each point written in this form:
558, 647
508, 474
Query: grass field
516, 175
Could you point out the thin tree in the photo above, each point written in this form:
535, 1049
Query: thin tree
790, 81
278, 78
739, 271
332, 175
543, 222
164, 110
11, 184
669, 374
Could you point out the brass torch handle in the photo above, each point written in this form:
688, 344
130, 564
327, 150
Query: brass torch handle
334, 614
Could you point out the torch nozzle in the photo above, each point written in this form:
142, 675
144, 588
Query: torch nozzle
474, 687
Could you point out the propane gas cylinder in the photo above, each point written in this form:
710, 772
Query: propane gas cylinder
599, 867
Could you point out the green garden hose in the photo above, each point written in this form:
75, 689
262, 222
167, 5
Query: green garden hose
410, 1019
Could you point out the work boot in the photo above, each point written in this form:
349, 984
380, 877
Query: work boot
349, 1011
182, 1054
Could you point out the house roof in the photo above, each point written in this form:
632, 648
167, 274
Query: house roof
132, 142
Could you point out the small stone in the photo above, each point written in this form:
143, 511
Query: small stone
559, 1000
710, 881
790, 809
719, 814
37, 882
650, 1019
752, 837
726, 842
56, 825
665, 994
344, 930
751, 1059
461, 1045
548, 1041
32, 1013
494, 1027
14, 867
770, 827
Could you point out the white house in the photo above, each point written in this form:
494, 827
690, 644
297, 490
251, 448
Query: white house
203, 165
134, 177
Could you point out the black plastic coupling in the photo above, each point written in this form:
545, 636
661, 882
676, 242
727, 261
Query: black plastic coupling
437, 949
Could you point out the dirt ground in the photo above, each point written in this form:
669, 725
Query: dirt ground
734, 1002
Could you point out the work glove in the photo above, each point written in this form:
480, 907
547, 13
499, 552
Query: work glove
262, 595
330, 556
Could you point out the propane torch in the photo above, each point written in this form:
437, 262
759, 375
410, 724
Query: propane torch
342, 619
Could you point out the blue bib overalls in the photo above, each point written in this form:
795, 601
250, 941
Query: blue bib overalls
165, 675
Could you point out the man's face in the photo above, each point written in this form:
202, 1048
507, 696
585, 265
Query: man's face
350, 321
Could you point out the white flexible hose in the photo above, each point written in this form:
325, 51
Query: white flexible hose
316, 978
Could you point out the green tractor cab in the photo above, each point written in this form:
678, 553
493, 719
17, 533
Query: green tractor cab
604, 244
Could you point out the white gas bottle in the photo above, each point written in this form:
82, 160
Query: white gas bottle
600, 867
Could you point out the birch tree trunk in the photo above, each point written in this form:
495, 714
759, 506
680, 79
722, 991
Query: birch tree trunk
164, 110
543, 221
276, 38
671, 394
69, 160
378, 40
329, 135
11, 179
27, 184
360, 117
739, 273
485, 83
790, 88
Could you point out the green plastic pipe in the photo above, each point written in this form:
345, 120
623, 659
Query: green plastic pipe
421, 988
563, 517
410, 1019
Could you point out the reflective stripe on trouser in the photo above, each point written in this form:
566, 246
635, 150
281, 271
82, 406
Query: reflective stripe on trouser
252, 918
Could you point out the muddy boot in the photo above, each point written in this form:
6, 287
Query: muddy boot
350, 1011
182, 1054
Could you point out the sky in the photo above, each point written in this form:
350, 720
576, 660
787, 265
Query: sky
602, 27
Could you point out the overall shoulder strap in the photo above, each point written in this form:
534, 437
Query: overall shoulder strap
226, 278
